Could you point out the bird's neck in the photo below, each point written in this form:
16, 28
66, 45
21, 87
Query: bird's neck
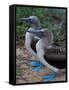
36, 27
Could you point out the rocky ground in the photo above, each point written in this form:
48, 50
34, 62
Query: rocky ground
24, 73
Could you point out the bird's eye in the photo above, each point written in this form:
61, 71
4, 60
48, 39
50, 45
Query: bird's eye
30, 19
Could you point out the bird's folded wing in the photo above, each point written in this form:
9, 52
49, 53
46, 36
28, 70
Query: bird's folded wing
56, 56
55, 52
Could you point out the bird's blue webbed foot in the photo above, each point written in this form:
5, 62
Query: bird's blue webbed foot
36, 66
51, 76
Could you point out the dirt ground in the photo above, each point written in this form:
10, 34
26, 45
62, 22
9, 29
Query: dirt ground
24, 73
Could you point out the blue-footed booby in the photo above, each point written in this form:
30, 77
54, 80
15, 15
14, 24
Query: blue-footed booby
30, 38
39, 42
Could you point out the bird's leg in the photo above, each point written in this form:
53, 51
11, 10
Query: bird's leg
41, 58
55, 73
61, 72
40, 54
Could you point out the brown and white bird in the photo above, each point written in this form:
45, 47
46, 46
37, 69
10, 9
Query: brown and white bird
39, 42
30, 38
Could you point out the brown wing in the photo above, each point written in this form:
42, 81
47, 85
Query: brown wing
56, 56
33, 44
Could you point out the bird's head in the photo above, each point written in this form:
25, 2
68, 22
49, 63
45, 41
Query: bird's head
32, 20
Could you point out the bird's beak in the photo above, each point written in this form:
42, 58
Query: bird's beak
24, 19
21, 20
35, 31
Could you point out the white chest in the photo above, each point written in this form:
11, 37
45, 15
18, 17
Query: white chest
28, 38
